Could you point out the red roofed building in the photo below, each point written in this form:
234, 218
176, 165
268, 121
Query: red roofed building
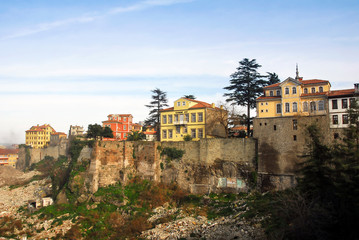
8, 157
196, 118
120, 124
39, 136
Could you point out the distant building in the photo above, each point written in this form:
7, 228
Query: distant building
8, 157
339, 103
137, 127
39, 136
76, 131
193, 117
120, 124
56, 137
150, 133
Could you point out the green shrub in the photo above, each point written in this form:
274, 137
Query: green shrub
187, 138
172, 153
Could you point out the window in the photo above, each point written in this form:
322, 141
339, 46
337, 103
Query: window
170, 133
313, 90
286, 90
164, 134
169, 119
185, 130
178, 104
187, 117
200, 117
320, 89
321, 105
352, 100
271, 93
124, 119
294, 137
200, 133
294, 90
305, 107
184, 103
164, 119
344, 103
193, 117
261, 104
124, 127
287, 107
176, 118
334, 104
274, 127
335, 119
178, 129
279, 108
305, 90
295, 107
345, 119
278, 92
193, 133
313, 106
295, 124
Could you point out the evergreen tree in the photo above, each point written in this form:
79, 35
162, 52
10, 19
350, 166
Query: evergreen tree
94, 131
107, 132
246, 84
189, 96
272, 78
159, 101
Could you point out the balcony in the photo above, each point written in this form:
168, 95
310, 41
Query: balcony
180, 122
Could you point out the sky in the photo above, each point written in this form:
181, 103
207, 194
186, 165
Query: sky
74, 62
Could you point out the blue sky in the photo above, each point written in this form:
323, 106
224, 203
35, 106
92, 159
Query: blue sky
74, 62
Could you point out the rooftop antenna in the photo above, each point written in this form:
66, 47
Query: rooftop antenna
297, 72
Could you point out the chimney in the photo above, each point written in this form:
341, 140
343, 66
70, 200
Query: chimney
356, 88
221, 107
213, 106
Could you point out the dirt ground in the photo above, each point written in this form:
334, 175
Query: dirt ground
11, 176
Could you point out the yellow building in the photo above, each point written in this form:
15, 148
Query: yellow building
192, 117
39, 136
294, 97
8, 157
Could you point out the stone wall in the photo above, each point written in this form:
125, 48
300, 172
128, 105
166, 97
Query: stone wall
209, 165
281, 147
37, 154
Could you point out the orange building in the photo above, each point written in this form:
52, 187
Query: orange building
8, 157
120, 124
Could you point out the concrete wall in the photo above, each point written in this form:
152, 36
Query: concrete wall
209, 165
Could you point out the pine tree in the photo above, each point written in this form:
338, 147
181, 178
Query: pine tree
159, 101
246, 84
272, 78
189, 96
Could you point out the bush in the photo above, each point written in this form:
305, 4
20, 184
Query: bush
172, 153
187, 138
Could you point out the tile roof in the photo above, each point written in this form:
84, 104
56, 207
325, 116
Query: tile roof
305, 82
343, 92
9, 151
199, 104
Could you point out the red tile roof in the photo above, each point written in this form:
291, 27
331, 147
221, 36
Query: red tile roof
8, 151
305, 82
344, 92
199, 104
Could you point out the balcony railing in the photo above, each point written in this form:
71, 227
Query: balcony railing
180, 122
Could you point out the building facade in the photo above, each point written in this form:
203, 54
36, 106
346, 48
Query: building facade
294, 97
8, 157
120, 124
191, 117
39, 136
76, 131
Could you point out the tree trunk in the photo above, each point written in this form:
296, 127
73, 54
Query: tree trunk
248, 120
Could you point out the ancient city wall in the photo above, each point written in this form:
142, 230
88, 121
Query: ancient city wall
209, 165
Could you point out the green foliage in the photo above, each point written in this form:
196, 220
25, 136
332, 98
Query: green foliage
246, 85
272, 78
172, 153
97, 131
187, 138
159, 101
189, 96
136, 136
161, 166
